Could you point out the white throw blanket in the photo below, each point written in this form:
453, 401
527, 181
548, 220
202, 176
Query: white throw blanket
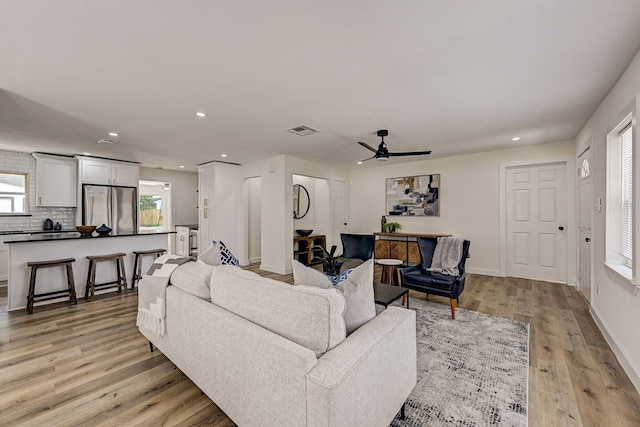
151, 292
151, 306
447, 256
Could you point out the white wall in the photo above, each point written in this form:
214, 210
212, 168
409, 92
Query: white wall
615, 302
277, 204
254, 229
469, 197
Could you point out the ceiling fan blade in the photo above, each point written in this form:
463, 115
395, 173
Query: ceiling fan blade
410, 153
368, 159
367, 146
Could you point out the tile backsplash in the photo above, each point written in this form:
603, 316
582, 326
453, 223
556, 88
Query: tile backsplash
11, 161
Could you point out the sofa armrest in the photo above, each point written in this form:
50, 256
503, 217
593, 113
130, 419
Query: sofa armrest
366, 379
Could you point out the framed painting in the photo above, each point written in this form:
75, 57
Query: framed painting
414, 195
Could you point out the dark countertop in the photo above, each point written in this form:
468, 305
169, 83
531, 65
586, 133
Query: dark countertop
191, 226
48, 236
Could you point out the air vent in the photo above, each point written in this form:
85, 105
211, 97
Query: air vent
107, 141
302, 130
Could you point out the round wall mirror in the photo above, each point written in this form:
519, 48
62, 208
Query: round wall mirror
301, 201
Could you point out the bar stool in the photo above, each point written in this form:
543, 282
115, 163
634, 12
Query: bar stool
71, 287
91, 274
137, 263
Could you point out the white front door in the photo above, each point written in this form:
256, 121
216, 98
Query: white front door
584, 225
339, 196
536, 214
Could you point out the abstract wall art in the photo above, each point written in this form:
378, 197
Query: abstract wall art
414, 195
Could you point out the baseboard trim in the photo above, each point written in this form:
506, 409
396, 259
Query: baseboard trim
272, 269
484, 272
628, 367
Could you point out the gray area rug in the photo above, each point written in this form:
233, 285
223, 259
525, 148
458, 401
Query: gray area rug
472, 371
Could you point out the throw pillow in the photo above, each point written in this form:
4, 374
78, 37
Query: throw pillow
226, 256
211, 256
357, 289
303, 275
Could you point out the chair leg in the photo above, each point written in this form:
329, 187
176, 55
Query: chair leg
124, 275
71, 283
453, 308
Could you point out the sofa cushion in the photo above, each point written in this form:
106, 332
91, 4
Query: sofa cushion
308, 316
193, 277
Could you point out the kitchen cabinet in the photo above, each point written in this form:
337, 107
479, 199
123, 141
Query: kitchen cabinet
220, 206
56, 183
108, 172
186, 241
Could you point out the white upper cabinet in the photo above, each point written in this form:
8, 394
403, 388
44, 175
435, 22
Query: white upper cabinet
108, 172
55, 180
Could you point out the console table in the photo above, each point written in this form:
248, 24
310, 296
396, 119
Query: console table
302, 248
402, 246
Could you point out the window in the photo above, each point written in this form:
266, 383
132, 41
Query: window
620, 198
13, 193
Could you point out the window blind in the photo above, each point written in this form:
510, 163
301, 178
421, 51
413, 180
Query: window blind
626, 152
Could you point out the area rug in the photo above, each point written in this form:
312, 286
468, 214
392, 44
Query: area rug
472, 371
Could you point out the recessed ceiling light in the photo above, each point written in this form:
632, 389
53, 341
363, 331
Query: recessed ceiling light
360, 162
516, 138
113, 134
223, 155
181, 166
201, 114
86, 154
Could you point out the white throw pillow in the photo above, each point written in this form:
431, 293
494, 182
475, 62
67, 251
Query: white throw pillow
357, 289
303, 275
211, 256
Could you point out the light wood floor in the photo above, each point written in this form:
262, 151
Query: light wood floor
89, 365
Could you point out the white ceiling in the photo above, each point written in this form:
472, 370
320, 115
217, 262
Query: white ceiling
452, 76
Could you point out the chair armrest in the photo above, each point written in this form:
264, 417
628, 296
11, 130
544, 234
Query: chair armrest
416, 267
381, 352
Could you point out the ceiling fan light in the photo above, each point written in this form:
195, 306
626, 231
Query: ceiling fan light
383, 158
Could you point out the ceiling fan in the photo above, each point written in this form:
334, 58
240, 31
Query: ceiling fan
382, 153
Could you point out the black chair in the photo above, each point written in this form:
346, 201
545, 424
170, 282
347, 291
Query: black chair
357, 246
418, 278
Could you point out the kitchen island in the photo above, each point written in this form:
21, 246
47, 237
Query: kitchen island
24, 248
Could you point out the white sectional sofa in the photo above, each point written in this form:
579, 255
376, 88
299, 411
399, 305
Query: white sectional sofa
272, 354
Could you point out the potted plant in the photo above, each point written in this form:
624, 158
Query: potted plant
392, 227
330, 263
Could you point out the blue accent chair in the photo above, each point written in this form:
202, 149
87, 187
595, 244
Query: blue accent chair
418, 278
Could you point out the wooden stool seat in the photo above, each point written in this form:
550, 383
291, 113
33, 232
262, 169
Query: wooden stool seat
121, 280
32, 297
137, 263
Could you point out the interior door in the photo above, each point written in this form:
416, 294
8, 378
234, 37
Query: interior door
340, 224
584, 224
536, 222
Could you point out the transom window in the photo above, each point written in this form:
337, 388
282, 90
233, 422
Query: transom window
13, 193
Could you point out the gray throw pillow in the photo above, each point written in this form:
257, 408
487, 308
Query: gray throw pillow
357, 290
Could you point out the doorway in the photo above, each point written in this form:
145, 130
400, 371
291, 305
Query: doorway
536, 222
155, 206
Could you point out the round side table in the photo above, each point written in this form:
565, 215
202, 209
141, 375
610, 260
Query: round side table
389, 270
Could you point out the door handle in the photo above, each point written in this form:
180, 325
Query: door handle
561, 228
587, 239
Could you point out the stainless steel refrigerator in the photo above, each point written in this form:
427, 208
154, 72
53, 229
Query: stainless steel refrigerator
115, 206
